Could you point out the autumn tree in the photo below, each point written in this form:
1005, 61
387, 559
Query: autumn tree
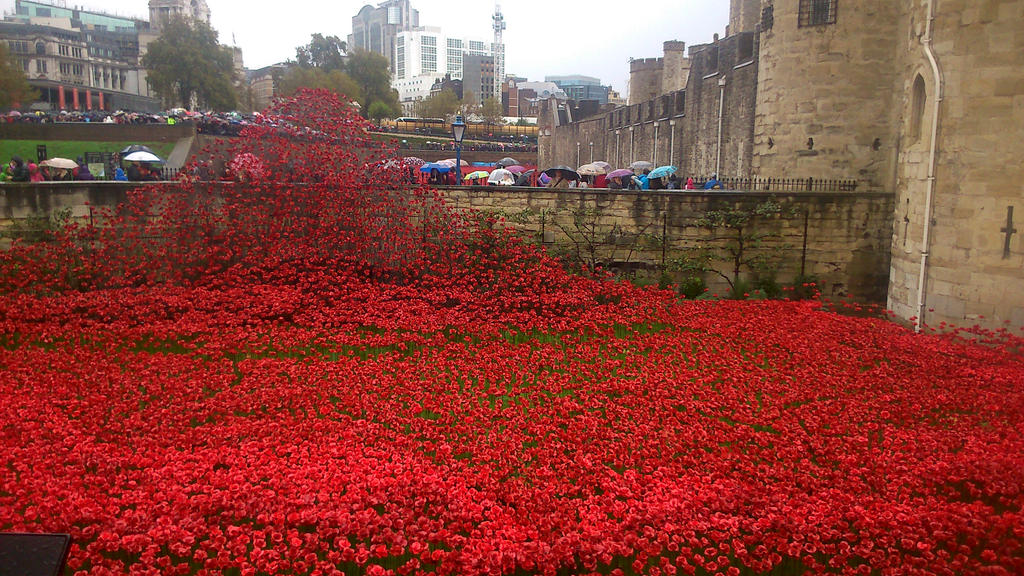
187, 65
14, 88
370, 71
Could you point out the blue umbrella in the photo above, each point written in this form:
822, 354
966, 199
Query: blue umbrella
662, 171
442, 168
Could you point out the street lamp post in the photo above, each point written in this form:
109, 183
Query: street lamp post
591, 152
458, 132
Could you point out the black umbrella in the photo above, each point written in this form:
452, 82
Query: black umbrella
567, 173
524, 178
508, 161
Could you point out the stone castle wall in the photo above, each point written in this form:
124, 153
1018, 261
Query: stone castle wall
825, 94
679, 128
971, 277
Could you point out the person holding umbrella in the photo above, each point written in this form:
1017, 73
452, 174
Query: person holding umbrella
134, 173
561, 176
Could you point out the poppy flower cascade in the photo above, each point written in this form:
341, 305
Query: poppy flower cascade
316, 369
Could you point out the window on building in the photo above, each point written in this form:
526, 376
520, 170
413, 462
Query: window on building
680, 102
40, 48
43, 12
428, 54
41, 66
745, 50
919, 99
712, 60
817, 12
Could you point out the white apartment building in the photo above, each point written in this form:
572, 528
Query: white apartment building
425, 54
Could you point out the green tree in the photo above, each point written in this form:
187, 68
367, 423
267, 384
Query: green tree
469, 105
492, 111
324, 52
444, 104
742, 237
380, 110
333, 81
14, 88
187, 64
370, 71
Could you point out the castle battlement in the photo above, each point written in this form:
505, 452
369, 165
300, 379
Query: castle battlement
646, 64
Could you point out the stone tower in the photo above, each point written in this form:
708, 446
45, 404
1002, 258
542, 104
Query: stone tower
676, 70
958, 229
744, 16
645, 75
825, 91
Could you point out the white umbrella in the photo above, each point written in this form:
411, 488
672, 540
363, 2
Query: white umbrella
62, 163
142, 156
592, 170
502, 177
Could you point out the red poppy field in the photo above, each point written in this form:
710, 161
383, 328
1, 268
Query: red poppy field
335, 380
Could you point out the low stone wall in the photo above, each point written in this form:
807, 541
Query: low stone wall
841, 239
96, 132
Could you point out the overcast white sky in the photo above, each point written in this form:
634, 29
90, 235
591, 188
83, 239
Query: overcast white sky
544, 37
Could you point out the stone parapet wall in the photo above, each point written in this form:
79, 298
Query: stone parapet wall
841, 239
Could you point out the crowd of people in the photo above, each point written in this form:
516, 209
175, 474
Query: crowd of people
214, 123
18, 170
469, 146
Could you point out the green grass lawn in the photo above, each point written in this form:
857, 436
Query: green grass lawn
72, 149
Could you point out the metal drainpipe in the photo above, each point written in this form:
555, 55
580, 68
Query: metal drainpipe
930, 189
671, 142
721, 113
655, 159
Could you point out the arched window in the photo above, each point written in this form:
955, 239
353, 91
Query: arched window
40, 49
919, 98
